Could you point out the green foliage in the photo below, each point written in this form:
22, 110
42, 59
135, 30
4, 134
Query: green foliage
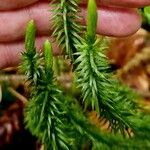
48, 56
30, 37
100, 90
50, 116
56, 119
146, 14
66, 25
43, 115
91, 25
31, 60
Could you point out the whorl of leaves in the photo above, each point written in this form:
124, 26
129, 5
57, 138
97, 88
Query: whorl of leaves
111, 100
31, 61
46, 118
57, 121
66, 26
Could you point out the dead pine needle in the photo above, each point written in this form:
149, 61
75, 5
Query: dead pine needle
18, 95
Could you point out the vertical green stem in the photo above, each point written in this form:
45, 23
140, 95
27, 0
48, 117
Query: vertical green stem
91, 21
30, 37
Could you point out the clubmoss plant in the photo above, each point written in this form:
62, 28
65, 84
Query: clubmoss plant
57, 119
66, 26
110, 99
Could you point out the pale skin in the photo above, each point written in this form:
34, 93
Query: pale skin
115, 18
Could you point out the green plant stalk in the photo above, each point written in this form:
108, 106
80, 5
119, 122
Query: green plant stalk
99, 90
48, 56
30, 59
59, 122
91, 21
30, 37
66, 26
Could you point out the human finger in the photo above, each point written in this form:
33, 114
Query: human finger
111, 21
13, 4
10, 53
125, 3
118, 22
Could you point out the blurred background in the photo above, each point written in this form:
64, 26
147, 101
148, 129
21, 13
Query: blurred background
130, 61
